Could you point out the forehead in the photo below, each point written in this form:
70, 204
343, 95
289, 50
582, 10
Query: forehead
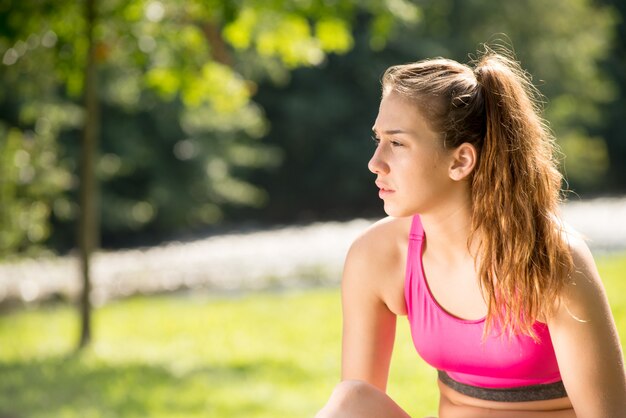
398, 113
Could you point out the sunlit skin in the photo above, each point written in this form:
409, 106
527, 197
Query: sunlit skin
410, 163
416, 174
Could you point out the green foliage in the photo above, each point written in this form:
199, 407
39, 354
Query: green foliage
613, 113
562, 44
189, 91
586, 158
322, 120
179, 128
249, 356
30, 186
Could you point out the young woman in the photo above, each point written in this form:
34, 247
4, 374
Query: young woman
502, 299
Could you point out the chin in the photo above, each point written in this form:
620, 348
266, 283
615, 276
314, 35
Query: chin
396, 212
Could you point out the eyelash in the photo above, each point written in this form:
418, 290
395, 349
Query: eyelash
393, 143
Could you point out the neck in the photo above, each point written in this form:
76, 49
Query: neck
448, 230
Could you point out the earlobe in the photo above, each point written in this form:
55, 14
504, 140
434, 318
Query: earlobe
463, 161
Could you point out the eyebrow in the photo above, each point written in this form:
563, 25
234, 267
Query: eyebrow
392, 131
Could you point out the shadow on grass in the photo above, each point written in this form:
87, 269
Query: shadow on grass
59, 386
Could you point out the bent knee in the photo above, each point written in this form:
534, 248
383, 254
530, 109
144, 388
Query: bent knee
347, 397
353, 389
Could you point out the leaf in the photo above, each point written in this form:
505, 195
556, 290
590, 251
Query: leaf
164, 80
334, 35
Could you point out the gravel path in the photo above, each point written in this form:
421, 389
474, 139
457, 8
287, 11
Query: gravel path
286, 257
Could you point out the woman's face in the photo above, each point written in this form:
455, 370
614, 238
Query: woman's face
410, 163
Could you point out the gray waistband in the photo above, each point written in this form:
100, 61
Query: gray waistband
518, 394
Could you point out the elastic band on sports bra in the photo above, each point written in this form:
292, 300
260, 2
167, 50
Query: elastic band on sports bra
517, 394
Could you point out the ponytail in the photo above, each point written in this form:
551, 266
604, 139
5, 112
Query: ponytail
516, 190
523, 260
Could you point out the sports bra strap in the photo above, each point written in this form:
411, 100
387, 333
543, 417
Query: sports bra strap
417, 231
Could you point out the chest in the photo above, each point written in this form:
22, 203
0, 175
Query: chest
446, 313
455, 287
459, 347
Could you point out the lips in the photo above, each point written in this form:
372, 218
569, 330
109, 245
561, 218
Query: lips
383, 186
384, 190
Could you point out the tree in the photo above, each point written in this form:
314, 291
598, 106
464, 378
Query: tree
192, 64
322, 119
187, 90
88, 225
33, 179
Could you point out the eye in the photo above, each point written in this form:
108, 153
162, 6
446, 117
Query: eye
396, 144
376, 140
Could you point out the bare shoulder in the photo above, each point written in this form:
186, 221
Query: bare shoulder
375, 263
384, 236
579, 249
382, 244
583, 304
585, 286
586, 340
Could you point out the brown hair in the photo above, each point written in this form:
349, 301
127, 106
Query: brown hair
524, 260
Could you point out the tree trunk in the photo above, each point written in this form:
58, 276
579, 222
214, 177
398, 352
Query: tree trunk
88, 224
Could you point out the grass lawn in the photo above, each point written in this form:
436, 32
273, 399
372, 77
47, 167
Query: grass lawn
261, 355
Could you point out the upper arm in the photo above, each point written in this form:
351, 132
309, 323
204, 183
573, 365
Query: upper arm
368, 324
587, 344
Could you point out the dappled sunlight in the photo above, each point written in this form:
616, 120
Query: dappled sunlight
254, 355
128, 123
178, 356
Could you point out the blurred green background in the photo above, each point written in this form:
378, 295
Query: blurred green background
217, 115
220, 112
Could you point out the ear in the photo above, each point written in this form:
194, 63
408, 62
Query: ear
464, 159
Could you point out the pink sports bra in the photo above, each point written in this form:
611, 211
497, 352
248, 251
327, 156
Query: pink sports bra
456, 347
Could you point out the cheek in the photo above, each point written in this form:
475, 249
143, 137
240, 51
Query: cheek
427, 167
437, 164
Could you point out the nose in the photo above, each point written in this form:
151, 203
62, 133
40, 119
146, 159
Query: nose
377, 163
